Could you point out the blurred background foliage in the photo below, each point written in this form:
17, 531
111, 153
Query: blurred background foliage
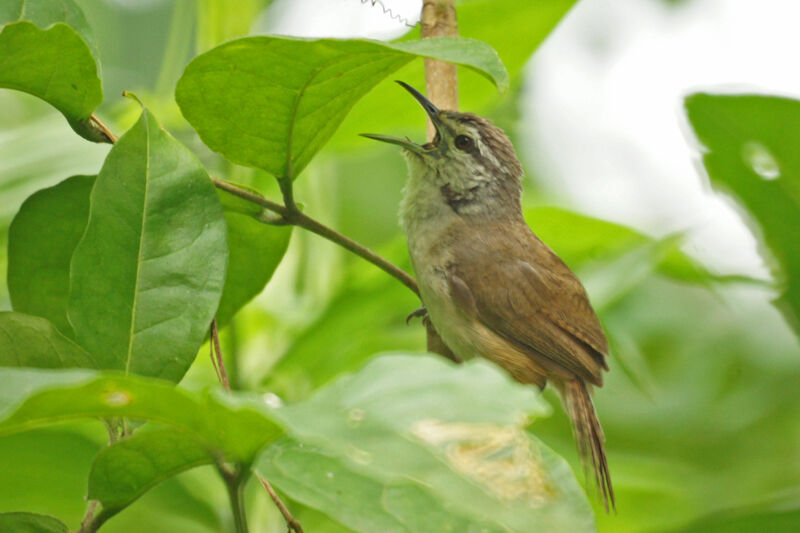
700, 408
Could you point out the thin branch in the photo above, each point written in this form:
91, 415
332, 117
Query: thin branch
103, 128
219, 363
296, 217
235, 482
291, 522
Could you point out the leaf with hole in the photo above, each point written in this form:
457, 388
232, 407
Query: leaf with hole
272, 102
750, 150
147, 276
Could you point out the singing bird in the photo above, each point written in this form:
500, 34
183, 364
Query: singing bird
491, 287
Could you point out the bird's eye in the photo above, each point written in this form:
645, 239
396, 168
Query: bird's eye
463, 142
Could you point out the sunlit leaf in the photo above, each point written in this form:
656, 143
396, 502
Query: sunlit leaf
272, 103
454, 432
32, 341
751, 152
41, 240
147, 276
235, 428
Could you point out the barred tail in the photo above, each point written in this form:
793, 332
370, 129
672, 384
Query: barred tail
589, 436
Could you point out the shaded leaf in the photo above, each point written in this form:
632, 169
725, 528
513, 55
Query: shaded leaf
31, 523
418, 420
32, 341
233, 427
751, 152
49, 52
45, 13
272, 103
147, 276
256, 250
579, 239
41, 240
127, 469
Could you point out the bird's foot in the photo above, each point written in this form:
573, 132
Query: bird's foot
417, 313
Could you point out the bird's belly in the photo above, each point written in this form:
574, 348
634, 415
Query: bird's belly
466, 336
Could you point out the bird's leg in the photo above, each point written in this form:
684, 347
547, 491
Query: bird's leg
422, 312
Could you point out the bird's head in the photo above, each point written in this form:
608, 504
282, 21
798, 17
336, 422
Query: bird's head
471, 160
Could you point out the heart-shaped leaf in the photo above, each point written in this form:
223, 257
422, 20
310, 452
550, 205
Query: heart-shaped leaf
272, 103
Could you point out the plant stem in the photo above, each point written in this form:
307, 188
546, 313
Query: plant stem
235, 483
296, 217
219, 363
293, 524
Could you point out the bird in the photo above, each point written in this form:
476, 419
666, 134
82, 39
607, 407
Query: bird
490, 287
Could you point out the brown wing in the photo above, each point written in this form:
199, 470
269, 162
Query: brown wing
523, 291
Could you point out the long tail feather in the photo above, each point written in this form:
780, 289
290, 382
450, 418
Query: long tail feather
589, 436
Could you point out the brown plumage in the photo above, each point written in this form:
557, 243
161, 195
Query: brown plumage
492, 288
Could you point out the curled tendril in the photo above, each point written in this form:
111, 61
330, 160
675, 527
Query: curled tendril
388, 11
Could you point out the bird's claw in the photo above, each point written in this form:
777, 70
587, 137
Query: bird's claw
421, 312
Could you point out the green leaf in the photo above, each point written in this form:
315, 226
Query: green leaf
235, 428
321, 480
418, 420
31, 523
147, 276
501, 23
580, 239
41, 240
49, 52
127, 469
256, 250
31, 341
45, 13
272, 103
751, 152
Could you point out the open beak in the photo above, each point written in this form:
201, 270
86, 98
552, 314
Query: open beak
433, 113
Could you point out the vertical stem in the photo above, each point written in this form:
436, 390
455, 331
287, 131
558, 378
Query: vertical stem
441, 78
441, 88
222, 375
235, 483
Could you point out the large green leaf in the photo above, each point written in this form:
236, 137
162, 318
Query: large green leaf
127, 469
234, 428
271, 102
456, 433
147, 276
256, 250
515, 29
751, 152
31, 523
32, 341
321, 480
48, 51
41, 240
